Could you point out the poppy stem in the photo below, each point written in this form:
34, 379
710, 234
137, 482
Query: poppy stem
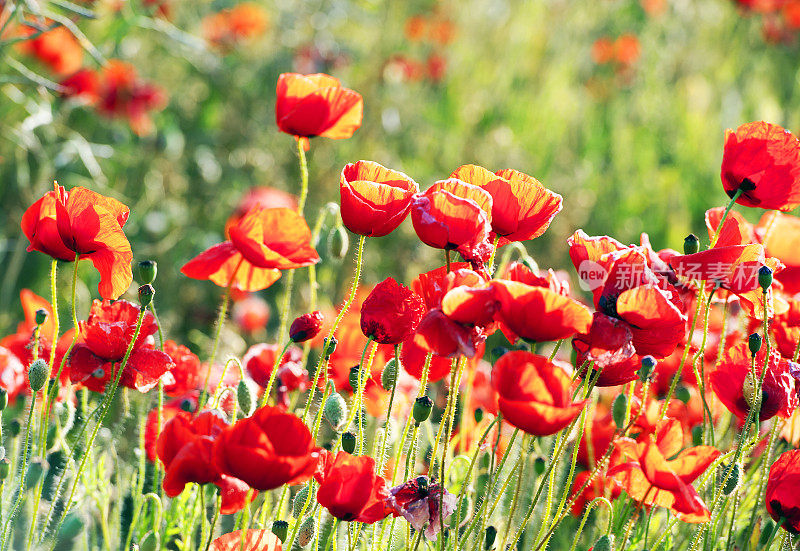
766, 457
386, 431
217, 507
775, 533
725, 216
273, 375
699, 372
301, 152
521, 464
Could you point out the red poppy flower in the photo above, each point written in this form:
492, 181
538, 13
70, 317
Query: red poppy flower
432, 286
263, 242
83, 84
349, 488
13, 374
522, 208
251, 313
609, 344
306, 327
254, 540
186, 372
267, 450
81, 224
596, 488
374, 199
534, 394
185, 448
317, 105
103, 340
781, 497
265, 196
556, 282
599, 432
187, 402
124, 95
763, 160
391, 312
260, 360
650, 477
538, 314
57, 48
781, 239
454, 215
779, 391
412, 358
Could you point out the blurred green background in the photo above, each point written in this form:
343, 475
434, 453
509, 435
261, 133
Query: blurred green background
631, 148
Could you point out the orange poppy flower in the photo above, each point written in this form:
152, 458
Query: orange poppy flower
596, 488
534, 394
627, 49
81, 224
21, 342
375, 200
228, 27
349, 488
263, 242
57, 48
779, 391
454, 215
603, 50
412, 358
762, 160
267, 450
254, 540
317, 105
650, 477
522, 208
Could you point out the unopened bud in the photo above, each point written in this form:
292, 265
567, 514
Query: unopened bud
329, 347
245, 398
754, 343
5, 466
41, 316
147, 271
280, 528
648, 365
389, 375
14, 427
146, 293
691, 244
732, 473
355, 375
478, 414
604, 543
335, 411
422, 409
150, 542
35, 472
749, 389
491, 535
338, 242
300, 500
37, 374
682, 393
538, 466
618, 410
349, 442
765, 277
306, 532
306, 327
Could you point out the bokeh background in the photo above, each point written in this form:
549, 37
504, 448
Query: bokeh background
620, 106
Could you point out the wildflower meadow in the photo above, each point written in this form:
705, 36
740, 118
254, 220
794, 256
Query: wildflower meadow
371, 275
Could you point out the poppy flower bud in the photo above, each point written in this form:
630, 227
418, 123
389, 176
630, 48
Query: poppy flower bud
300, 500
648, 365
349, 442
306, 327
34, 473
682, 393
422, 409
355, 380
335, 411
70, 529
306, 532
478, 414
146, 293
732, 481
41, 316
604, 543
147, 271
280, 528
618, 410
5, 466
186, 405
389, 374
37, 374
538, 466
491, 535
338, 243
691, 244
245, 397
697, 435
150, 542
765, 277
14, 427
3, 399
754, 343
329, 347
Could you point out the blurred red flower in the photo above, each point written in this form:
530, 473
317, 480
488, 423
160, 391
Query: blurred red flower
186, 372
391, 312
781, 497
763, 160
260, 360
251, 313
185, 448
655, 473
81, 224
267, 450
265, 196
254, 540
262, 243
349, 488
317, 105
124, 95
56, 48
374, 199
228, 27
534, 394
13, 374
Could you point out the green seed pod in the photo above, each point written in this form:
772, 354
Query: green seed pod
150, 542
3, 399
604, 543
280, 528
338, 242
5, 466
58, 462
691, 244
14, 427
306, 532
697, 435
71, 528
682, 393
618, 410
538, 466
733, 478
478, 414
329, 348
245, 398
300, 501
648, 365
37, 374
355, 373
754, 343
389, 375
765, 277
41, 316
491, 535
335, 411
349, 442
146, 293
766, 533
35, 471
147, 271
422, 409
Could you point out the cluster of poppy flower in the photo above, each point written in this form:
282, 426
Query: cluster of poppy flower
640, 429
780, 18
432, 31
228, 28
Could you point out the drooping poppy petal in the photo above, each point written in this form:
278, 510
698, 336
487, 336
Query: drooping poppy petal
349, 488
224, 265
274, 238
391, 312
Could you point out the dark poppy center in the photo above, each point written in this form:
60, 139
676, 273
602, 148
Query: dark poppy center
608, 305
